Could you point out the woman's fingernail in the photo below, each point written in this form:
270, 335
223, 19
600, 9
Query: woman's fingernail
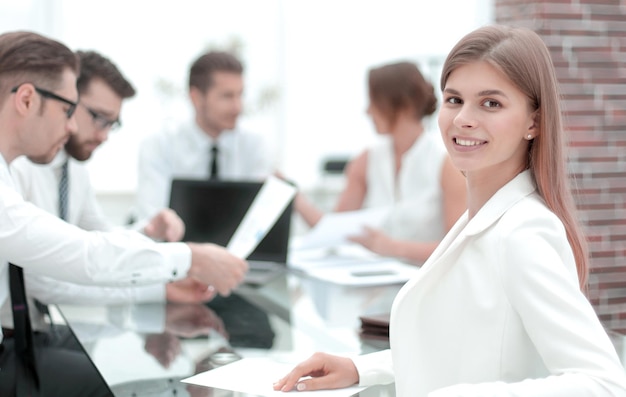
300, 387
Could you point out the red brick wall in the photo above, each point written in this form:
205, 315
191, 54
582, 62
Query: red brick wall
587, 40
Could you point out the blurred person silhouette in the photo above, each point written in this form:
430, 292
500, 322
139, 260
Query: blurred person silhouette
499, 308
210, 146
408, 169
102, 88
38, 99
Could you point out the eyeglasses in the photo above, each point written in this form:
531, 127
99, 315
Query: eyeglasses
47, 94
102, 122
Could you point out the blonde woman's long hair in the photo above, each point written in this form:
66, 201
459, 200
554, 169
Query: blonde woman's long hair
524, 58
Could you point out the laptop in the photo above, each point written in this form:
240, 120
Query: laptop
213, 209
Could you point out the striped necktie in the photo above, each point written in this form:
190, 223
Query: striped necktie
63, 192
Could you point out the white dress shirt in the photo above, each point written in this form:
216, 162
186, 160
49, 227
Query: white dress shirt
41, 243
415, 195
185, 153
39, 185
497, 311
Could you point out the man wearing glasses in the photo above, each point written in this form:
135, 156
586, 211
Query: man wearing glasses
102, 89
38, 113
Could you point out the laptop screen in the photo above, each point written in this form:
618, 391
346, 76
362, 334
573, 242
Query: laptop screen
212, 211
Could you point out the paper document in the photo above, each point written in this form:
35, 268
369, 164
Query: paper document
268, 205
383, 272
335, 227
256, 376
341, 255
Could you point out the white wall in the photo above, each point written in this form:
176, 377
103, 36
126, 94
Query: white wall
314, 53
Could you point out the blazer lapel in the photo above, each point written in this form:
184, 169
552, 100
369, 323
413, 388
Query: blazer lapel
443, 258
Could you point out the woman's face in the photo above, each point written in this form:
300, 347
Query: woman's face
381, 122
485, 121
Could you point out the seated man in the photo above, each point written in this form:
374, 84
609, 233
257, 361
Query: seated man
208, 147
102, 89
38, 98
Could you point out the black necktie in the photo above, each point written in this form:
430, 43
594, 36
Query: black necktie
27, 380
213, 170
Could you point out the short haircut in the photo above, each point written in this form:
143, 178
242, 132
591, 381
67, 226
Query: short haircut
201, 72
95, 66
27, 57
400, 86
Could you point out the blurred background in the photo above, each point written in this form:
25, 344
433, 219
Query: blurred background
306, 65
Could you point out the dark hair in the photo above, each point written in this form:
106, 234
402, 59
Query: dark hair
33, 58
201, 72
400, 86
94, 66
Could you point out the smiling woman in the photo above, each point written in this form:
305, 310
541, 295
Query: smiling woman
512, 270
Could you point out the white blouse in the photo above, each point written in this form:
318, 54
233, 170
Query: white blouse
416, 195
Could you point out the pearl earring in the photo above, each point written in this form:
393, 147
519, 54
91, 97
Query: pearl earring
529, 137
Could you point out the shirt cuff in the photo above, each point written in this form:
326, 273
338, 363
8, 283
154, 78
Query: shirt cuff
177, 257
139, 225
374, 368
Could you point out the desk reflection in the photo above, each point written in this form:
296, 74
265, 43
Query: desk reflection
146, 349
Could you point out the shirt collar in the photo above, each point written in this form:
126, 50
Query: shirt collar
200, 138
5, 174
59, 159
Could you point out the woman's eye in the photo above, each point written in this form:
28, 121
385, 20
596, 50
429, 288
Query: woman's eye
491, 104
454, 100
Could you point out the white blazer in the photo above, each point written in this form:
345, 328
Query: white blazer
497, 311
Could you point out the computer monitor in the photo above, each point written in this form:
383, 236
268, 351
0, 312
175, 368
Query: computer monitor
213, 209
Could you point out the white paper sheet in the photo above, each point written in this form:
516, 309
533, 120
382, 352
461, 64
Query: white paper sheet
268, 205
334, 227
256, 376
348, 254
382, 272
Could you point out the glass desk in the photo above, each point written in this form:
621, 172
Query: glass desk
145, 349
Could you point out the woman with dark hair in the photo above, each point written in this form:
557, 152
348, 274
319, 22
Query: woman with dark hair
409, 170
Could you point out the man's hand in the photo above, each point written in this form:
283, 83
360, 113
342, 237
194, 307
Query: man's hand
189, 290
165, 226
214, 265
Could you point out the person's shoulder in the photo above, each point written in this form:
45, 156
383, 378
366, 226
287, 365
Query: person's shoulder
530, 215
251, 140
169, 130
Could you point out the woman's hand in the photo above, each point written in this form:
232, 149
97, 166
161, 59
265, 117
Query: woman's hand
321, 371
376, 241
